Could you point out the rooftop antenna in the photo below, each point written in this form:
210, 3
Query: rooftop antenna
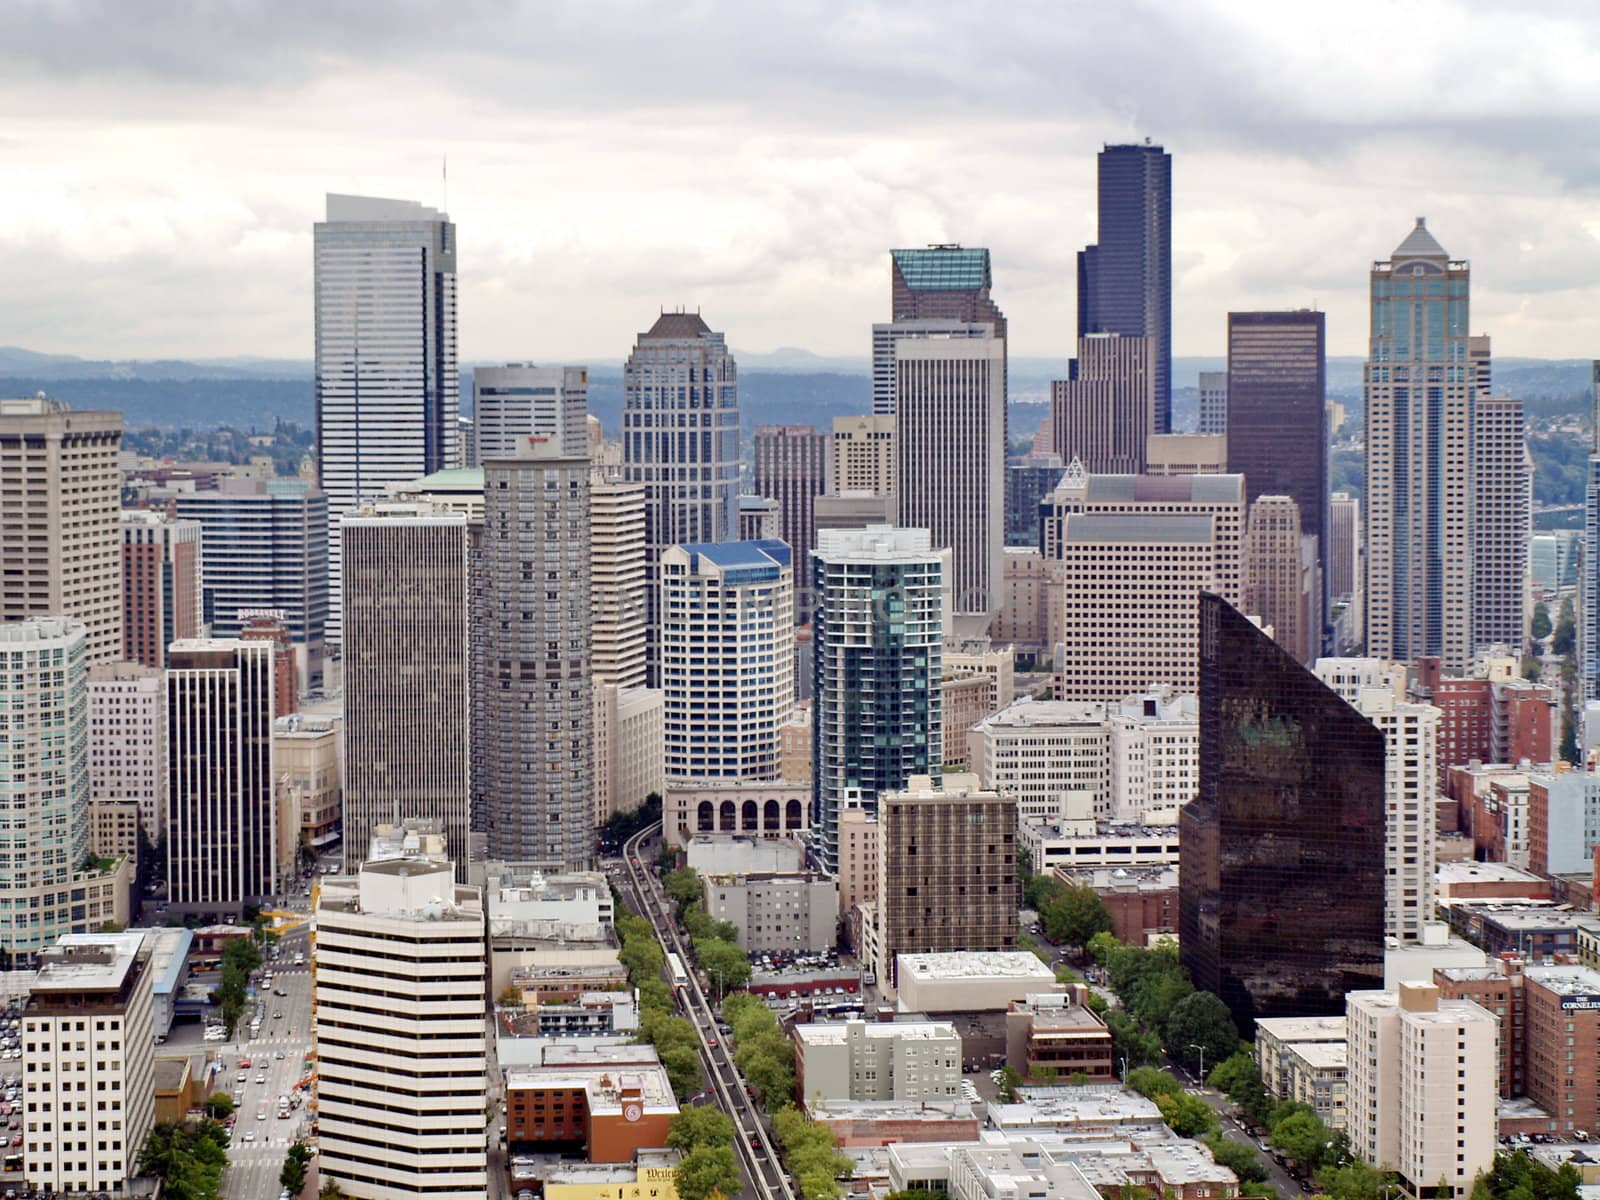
444, 180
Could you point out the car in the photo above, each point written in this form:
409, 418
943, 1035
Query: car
240, 1077
277, 1016
261, 1114
261, 1076
244, 1062
286, 1194
17, 1141
249, 1135
279, 1054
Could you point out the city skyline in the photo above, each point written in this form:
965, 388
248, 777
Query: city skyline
823, 162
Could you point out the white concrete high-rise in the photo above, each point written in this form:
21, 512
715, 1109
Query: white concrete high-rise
1421, 1088
950, 448
888, 335
618, 580
60, 533
1421, 391
404, 929
680, 438
44, 779
221, 813
727, 657
878, 635
128, 741
88, 1063
1411, 762
532, 709
629, 748
387, 390
1213, 402
519, 399
407, 692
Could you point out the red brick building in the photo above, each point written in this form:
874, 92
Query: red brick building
285, 677
608, 1113
1502, 720
1054, 1037
160, 584
1141, 901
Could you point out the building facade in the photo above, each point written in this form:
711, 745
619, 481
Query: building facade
161, 596
1213, 402
511, 402
1502, 525
128, 741
1282, 584
1102, 414
863, 451
60, 493
933, 290
629, 748
855, 1060
792, 469
387, 390
618, 581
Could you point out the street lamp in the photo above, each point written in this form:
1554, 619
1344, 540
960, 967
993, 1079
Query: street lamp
1124, 1068
1202, 1049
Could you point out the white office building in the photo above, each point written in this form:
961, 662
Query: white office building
402, 929
520, 400
387, 387
128, 741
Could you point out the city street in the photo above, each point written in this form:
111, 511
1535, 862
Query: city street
1277, 1177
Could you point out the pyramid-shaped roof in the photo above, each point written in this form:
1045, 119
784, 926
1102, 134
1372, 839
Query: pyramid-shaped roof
1419, 243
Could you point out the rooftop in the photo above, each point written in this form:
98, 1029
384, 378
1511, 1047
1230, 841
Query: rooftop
451, 479
604, 1086
1130, 527
765, 554
1419, 243
1566, 980
1161, 489
1303, 1029
170, 1074
974, 964
87, 962
342, 207
892, 1110
1024, 713
1482, 872
834, 1033
943, 268
1088, 1104
1322, 1055
677, 325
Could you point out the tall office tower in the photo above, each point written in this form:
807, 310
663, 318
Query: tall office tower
265, 549
1281, 884
128, 741
1588, 605
1220, 497
404, 928
1104, 411
466, 443
878, 633
1421, 1081
792, 468
758, 519
946, 869
518, 399
863, 452
388, 394
1411, 769
1277, 417
60, 540
617, 581
272, 628
1129, 589
1026, 487
1502, 525
1480, 358
221, 816
950, 445
161, 600
1125, 279
727, 657
934, 291
533, 716
1420, 392
44, 780
681, 377
91, 1090
629, 748
1282, 585
1343, 560
407, 692
1213, 402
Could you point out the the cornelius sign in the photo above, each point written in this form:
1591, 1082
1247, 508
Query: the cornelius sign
1580, 1003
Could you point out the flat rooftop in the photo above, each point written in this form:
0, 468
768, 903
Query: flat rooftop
833, 1033
893, 1110
1090, 1104
603, 1086
1304, 1029
1483, 872
974, 964
1045, 714
1566, 979
87, 962
1322, 1056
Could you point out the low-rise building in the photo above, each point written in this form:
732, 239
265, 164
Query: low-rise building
759, 808
1052, 1036
1487, 881
1277, 1037
776, 911
1101, 1109
114, 829
1563, 821
653, 1175
557, 927
607, 1109
173, 1083
856, 1123
169, 947
307, 756
968, 981
1318, 1077
1081, 842
736, 854
1142, 901
1531, 930
894, 1060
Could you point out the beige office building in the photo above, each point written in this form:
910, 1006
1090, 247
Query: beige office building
863, 455
1422, 1086
307, 755
60, 518
858, 858
88, 1063
629, 748
1282, 584
1130, 603
128, 741
950, 432
1022, 621
1502, 515
1104, 413
794, 742
407, 599
617, 581
1186, 454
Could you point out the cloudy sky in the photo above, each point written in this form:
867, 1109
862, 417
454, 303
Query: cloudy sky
162, 161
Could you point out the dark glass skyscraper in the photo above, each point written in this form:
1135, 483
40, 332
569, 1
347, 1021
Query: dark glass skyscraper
1125, 279
1281, 871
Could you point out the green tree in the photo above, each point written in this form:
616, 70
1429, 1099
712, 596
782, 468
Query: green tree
1302, 1138
915, 1194
1101, 946
1239, 1158
1354, 1181
1157, 996
1131, 1041
331, 1191
1074, 915
1186, 1114
1520, 1176
1006, 1089
1565, 638
1200, 1019
1541, 621
1151, 1082
699, 1126
723, 962
1530, 668
683, 887
1569, 736
1238, 1078
218, 1106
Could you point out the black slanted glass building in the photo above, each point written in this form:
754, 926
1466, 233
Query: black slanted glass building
1281, 884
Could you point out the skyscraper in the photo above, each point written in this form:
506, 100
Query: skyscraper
387, 391
519, 399
727, 657
60, 493
533, 753
1502, 525
863, 453
680, 438
1277, 417
1125, 278
934, 291
1213, 402
1282, 585
128, 741
617, 580
792, 468
1420, 393
1104, 411
1343, 559
161, 600
1281, 898
950, 443
1588, 605
407, 698
44, 780
221, 811
878, 634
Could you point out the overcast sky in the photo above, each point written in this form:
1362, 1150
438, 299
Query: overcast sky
162, 162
